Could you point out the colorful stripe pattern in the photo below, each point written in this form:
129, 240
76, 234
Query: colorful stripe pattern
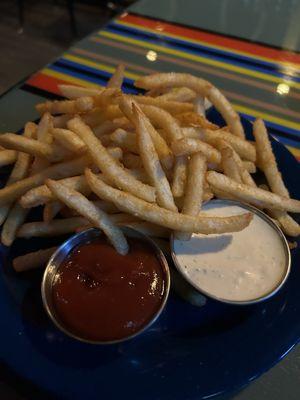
259, 81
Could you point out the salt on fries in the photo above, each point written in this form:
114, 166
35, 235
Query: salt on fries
102, 158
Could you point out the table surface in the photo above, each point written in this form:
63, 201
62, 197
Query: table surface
249, 49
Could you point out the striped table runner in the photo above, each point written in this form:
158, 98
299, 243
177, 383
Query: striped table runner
260, 81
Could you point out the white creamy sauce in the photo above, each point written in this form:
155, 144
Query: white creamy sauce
237, 266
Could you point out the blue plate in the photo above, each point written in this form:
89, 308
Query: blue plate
189, 353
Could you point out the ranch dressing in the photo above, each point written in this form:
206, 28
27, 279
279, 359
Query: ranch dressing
239, 266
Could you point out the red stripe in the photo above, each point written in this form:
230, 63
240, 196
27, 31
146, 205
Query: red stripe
45, 82
215, 39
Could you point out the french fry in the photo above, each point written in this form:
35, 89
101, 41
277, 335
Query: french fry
194, 189
179, 94
7, 157
228, 163
160, 216
44, 136
266, 159
54, 228
51, 210
115, 152
65, 106
188, 146
31, 146
15, 219
126, 140
36, 259
163, 150
267, 163
69, 140
57, 171
87, 209
201, 87
73, 92
199, 103
20, 169
250, 194
116, 80
108, 127
151, 162
179, 176
108, 165
43, 195
173, 107
243, 148
193, 119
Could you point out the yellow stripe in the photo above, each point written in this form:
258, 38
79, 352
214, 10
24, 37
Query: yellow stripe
98, 66
267, 117
294, 151
68, 78
289, 65
193, 57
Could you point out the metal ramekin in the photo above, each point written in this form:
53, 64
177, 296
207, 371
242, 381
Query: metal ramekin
276, 228
64, 250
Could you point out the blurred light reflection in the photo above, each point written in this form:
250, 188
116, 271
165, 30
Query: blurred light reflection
151, 55
283, 89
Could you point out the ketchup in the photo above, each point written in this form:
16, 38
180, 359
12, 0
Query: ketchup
101, 295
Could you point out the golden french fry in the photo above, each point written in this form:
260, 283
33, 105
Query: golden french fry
115, 152
33, 260
54, 228
200, 86
116, 80
14, 220
173, 107
199, 103
243, 148
66, 106
20, 169
51, 210
51, 152
42, 194
151, 162
69, 140
44, 136
160, 216
87, 209
126, 140
193, 119
178, 94
250, 194
194, 189
266, 159
7, 157
56, 171
73, 92
267, 163
108, 127
179, 176
163, 150
228, 163
188, 146
108, 165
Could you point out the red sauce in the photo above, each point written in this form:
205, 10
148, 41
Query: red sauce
101, 295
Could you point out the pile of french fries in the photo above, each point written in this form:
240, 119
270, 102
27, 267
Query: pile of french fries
102, 158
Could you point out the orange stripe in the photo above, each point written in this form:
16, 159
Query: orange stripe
46, 82
198, 34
